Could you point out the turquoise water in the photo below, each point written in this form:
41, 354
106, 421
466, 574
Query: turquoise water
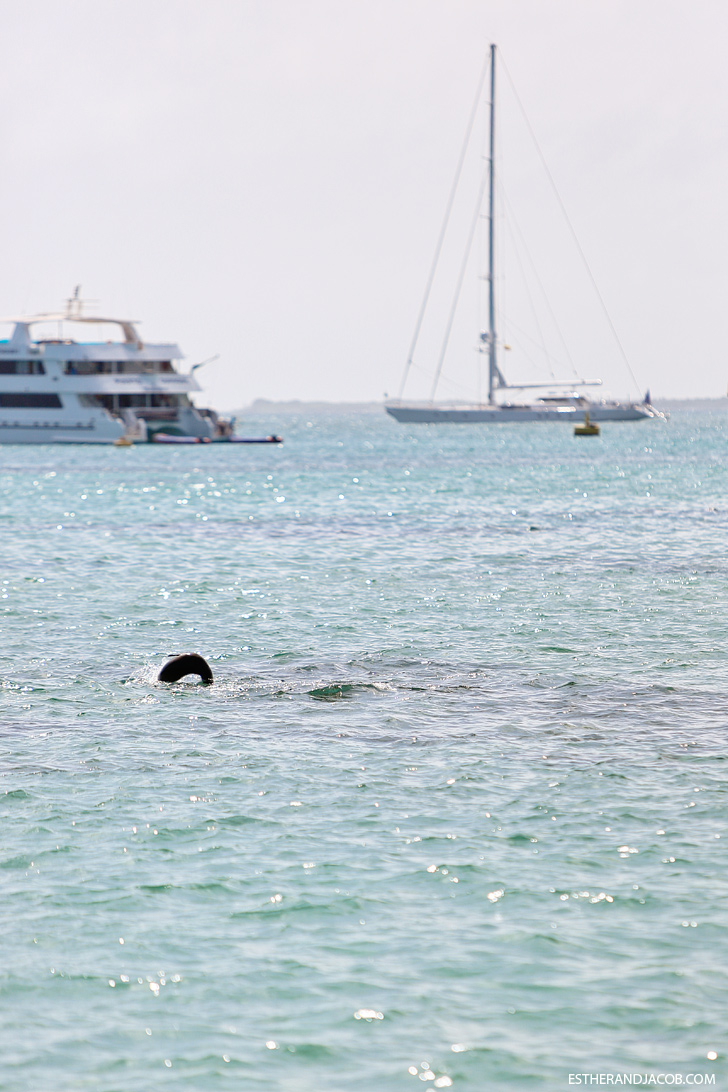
453, 813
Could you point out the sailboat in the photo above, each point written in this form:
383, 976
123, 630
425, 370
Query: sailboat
504, 406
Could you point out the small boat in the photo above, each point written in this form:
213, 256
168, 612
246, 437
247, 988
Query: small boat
564, 401
167, 438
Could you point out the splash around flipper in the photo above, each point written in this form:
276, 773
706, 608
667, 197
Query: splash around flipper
190, 663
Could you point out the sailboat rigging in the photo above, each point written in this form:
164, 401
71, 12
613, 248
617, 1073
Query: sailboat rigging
552, 406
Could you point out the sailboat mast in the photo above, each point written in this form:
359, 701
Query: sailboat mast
492, 361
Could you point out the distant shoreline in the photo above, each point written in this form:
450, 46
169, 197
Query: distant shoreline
266, 405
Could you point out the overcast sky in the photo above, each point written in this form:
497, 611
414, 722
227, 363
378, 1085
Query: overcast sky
265, 179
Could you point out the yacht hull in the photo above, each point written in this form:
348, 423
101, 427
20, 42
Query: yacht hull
98, 429
505, 415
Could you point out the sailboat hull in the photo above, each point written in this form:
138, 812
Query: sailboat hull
504, 415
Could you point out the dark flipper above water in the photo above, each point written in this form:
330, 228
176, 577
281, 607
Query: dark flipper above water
188, 664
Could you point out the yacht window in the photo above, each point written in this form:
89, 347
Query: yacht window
13, 400
21, 367
91, 367
79, 367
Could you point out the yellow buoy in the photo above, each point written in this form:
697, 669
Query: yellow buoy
587, 429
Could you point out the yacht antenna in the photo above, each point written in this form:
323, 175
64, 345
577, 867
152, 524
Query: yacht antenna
203, 362
74, 305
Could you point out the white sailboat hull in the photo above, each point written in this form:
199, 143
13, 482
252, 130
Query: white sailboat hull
504, 415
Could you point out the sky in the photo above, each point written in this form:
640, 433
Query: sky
265, 180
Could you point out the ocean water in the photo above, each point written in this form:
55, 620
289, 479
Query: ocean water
452, 814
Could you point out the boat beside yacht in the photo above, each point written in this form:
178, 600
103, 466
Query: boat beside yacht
57, 388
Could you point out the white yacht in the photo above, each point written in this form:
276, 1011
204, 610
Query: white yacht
562, 401
55, 388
